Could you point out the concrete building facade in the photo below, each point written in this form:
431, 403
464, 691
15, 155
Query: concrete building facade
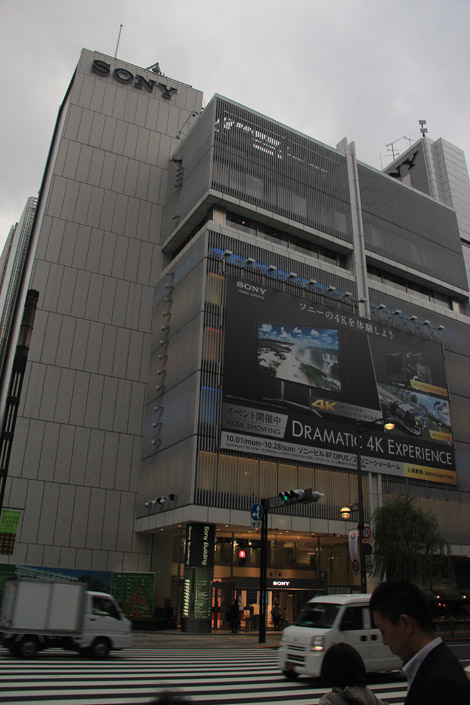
179, 254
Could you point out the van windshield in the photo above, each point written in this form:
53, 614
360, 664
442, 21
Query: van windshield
319, 614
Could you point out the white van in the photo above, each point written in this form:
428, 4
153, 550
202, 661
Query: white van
328, 620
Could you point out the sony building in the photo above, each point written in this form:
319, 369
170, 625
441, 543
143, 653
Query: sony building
221, 301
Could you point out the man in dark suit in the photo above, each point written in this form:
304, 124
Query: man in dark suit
434, 674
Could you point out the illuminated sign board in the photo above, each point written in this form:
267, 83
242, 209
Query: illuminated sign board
298, 375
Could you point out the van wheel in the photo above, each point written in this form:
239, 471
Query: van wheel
290, 675
100, 648
28, 647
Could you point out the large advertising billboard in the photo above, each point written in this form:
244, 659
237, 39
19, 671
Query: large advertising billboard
299, 375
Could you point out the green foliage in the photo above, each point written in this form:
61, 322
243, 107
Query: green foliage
408, 543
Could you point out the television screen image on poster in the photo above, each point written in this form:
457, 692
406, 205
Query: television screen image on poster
302, 354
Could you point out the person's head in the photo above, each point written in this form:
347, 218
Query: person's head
342, 666
403, 615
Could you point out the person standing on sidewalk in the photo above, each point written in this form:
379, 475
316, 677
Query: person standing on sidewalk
434, 674
276, 615
234, 615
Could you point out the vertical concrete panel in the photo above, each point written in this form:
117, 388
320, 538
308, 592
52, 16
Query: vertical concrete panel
50, 392
94, 530
95, 337
56, 196
64, 450
141, 148
109, 300
108, 350
95, 458
54, 239
132, 216
67, 289
132, 262
80, 456
112, 513
107, 211
48, 452
46, 527
31, 398
80, 294
120, 302
136, 409
108, 404
96, 168
80, 517
82, 207
109, 459
107, 254
51, 291
51, 556
68, 244
120, 256
95, 391
71, 160
68, 557
119, 215
79, 398
86, 123
64, 348
72, 122
81, 248
79, 344
130, 144
64, 515
65, 396
51, 339
69, 201
109, 99
130, 183
135, 356
83, 164
32, 512
123, 463
121, 353
125, 526
96, 283
94, 253
123, 401
107, 174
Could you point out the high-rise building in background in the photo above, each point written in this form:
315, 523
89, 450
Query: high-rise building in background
221, 300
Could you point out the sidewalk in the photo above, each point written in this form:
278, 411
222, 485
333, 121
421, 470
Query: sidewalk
176, 639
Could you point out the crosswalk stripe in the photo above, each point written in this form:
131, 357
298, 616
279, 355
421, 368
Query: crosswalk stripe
232, 677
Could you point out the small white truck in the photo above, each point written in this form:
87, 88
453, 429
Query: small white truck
38, 614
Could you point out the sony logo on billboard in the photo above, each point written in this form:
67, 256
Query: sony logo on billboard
281, 583
125, 76
251, 288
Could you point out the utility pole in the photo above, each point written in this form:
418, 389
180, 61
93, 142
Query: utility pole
282, 500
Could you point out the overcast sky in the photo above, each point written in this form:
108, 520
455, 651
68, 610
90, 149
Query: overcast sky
367, 70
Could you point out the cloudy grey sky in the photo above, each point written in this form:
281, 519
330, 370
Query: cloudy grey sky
367, 70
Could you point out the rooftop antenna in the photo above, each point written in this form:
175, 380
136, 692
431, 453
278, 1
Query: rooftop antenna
423, 129
119, 39
391, 146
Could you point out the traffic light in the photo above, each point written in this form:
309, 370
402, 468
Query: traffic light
289, 495
241, 556
300, 495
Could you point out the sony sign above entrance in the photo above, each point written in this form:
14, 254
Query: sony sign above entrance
125, 76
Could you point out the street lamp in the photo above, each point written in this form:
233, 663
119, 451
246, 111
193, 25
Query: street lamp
388, 425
